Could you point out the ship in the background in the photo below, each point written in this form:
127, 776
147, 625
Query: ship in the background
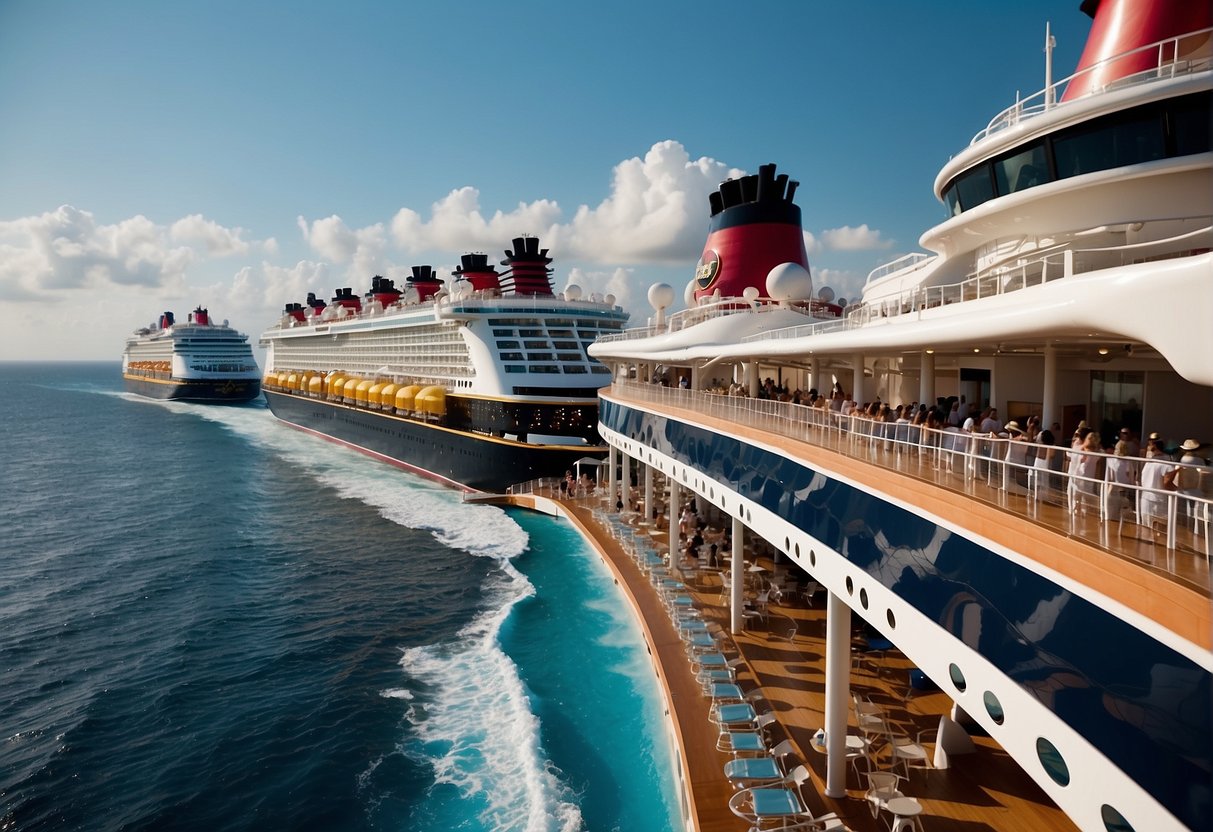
197, 361
480, 385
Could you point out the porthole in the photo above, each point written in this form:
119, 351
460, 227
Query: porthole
797, 550
863, 598
1113, 820
993, 707
892, 620
812, 557
787, 545
958, 677
850, 586
1053, 763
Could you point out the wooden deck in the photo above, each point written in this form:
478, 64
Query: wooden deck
988, 791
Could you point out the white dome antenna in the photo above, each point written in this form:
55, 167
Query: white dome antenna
661, 297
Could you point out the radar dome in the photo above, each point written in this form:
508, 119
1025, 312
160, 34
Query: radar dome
610, 300
750, 293
572, 291
825, 294
789, 281
688, 294
661, 295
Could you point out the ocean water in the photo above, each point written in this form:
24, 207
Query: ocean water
210, 621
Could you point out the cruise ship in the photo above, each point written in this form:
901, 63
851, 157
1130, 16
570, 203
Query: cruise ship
197, 361
1058, 593
480, 385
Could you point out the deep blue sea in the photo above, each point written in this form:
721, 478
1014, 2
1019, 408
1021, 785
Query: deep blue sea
210, 621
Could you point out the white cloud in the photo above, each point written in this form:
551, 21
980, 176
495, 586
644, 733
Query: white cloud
362, 248
811, 244
853, 239
217, 240
656, 212
624, 284
456, 224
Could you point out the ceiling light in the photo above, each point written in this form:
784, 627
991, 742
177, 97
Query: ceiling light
1103, 350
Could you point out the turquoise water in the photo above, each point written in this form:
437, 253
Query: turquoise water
214, 622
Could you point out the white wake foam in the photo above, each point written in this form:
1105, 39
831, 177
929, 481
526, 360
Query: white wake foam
402, 498
478, 732
475, 725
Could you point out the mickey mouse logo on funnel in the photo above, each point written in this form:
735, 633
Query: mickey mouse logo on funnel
706, 269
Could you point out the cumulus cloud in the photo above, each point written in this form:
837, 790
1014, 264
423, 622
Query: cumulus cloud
456, 224
213, 237
853, 239
811, 244
47, 255
68, 249
363, 249
656, 211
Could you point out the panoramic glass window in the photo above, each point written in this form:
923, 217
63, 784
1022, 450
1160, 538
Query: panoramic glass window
1110, 145
974, 188
1026, 169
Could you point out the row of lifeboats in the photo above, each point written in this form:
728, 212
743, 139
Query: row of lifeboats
361, 391
162, 366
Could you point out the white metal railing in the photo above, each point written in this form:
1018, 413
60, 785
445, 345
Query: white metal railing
705, 312
908, 262
1001, 280
971, 463
1167, 64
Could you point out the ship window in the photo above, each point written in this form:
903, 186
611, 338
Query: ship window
531, 333
536, 345
560, 333
573, 369
600, 370
539, 356
1026, 169
515, 368
544, 368
512, 356
565, 345
569, 356
500, 332
1110, 145
975, 187
1052, 762
507, 345
1190, 125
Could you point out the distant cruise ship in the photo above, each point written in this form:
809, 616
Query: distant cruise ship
1063, 608
479, 385
197, 361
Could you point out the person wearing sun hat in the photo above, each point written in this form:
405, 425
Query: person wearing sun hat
1187, 474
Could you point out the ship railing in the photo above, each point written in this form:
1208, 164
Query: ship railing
711, 310
1002, 280
986, 467
906, 263
1172, 57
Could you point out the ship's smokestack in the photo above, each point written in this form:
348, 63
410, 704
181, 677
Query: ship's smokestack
425, 282
755, 226
1124, 25
529, 272
475, 269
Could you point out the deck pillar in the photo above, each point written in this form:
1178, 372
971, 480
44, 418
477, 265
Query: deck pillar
1049, 413
736, 622
838, 691
648, 492
857, 386
673, 512
612, 482
625, 481
926, 379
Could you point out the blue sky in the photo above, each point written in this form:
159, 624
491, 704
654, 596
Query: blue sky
159, 155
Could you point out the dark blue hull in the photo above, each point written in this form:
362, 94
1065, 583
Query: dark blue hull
228, 391
463, 459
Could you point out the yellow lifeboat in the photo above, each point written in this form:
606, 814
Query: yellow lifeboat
406, 398
432, 401
334, 385
292, 381
387, 396
351, 384
360, 392
372, 394
270, 380
315, 386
